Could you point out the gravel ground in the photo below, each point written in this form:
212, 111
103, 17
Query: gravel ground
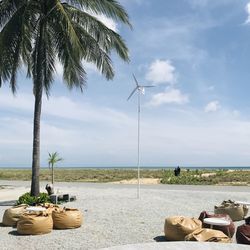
114, 216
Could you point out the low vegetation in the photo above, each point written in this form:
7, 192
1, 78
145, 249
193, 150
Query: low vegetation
191, 177
80, 174
33, 200
207, 177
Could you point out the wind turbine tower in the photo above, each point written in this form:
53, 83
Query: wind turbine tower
140, 90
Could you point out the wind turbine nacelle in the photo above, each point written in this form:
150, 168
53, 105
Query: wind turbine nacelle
142, 90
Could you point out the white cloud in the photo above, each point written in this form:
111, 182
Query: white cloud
236, 113
248, 13
173, 96
72, 110
212, 106
88, 135
161, 71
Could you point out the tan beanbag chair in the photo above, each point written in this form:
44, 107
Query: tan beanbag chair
50, 207
12, 215
177, 227
67, 218
35, 223
236, 211
211, 235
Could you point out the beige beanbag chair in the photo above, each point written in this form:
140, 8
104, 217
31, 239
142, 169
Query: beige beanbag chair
12, 215
211, 235
67, 218
50, 207
35, 223
176, 228
234, 210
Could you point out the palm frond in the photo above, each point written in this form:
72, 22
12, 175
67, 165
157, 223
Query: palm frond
106, 38
110, 8
7, 9
10, 46
49, 60
60, 16
37, 61
68, 48
94, 53
16, 42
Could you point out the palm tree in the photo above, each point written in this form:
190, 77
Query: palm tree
37, 33
52, 160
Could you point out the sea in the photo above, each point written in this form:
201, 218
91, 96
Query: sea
135, 167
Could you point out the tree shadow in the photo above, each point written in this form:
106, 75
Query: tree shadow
7, 203
160, 238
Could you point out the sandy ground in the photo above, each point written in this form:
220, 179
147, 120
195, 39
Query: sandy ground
113, 215
144, 181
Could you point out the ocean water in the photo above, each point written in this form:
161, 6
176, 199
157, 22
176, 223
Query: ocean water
143, 167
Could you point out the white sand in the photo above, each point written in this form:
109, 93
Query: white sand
145, 181
113, 216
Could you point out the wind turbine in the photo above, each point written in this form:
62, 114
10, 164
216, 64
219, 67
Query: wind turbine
140, 90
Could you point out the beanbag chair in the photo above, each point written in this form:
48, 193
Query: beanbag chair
243, 233
35, 223
67, 218
208, 235
50, 207
177, 227
12, 215
224, 229
236, 211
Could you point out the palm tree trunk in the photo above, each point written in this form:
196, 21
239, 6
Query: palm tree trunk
38, 92
52, 168
35, 185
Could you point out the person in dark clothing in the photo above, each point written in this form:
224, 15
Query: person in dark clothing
177, 171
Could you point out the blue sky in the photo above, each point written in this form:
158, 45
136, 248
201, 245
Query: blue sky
196, 52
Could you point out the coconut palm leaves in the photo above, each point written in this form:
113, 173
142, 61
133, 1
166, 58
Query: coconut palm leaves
37, 33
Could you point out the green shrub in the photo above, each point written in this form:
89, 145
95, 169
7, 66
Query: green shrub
32, 200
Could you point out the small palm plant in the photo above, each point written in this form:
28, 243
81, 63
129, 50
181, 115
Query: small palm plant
52, 160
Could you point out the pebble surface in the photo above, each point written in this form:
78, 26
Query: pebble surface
114, 216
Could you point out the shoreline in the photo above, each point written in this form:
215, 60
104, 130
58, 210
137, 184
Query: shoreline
135, 167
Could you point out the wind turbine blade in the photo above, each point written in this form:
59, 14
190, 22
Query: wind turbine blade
148, 86
132, 93
137, 84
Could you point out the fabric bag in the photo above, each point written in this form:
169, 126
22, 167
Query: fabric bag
243, 233
224, 229
50, 207
67, 218
35, 223
12, 215
208, 235
177, 227
236, 211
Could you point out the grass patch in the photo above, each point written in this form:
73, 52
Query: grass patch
80, 175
